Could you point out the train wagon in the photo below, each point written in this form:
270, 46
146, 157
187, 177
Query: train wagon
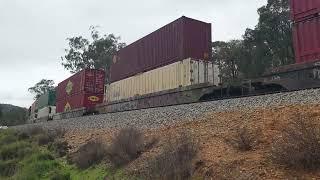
80, 92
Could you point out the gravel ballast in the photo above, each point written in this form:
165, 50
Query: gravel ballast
164, 116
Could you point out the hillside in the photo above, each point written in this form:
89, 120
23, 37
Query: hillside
11, 115
217, 158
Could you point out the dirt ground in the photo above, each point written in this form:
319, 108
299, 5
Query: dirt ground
217, 159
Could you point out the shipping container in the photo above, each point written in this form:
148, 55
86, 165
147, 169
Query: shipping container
184, 38
302, 9
86, 81
34, 107
179, 74
47, 99
77, 101
48, 112
306, 35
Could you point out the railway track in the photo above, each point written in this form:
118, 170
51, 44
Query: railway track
169, 115
215, 99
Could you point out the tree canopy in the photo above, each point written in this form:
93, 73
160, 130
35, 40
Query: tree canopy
97, 53
41, 88
268, 45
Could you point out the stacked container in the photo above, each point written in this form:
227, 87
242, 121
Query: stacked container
84, 89
180, 74
183, 38
306, 29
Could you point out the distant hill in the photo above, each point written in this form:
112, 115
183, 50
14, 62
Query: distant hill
11, 115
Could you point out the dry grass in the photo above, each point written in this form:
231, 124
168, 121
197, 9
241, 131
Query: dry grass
175, 162
126, 146
243, 139
299, 145
88, 154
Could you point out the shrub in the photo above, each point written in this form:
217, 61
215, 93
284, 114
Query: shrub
243, 140
34, 130
175, 162
59, 147
299, 145
8, 168
125, 146
23, 135
7, 137
56, 133
17, 150
91, 153
57, 175
44, 139
38, 165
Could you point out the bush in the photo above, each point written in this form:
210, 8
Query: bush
175, 162
125, 146
8, 168
17, 150
243, 140
34, 130
37, 166
44, 139
57, 175
49, 134
299, 145
7, 137
23, 135
91, 153
59, 147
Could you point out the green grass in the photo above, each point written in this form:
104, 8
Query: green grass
24, 159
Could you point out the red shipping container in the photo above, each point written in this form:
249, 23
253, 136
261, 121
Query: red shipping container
302, 9
306, 35
85, 81
181, 39
77, 101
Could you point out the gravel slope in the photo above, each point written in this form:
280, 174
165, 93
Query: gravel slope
160, 117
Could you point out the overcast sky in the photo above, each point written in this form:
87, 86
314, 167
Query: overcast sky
33, 32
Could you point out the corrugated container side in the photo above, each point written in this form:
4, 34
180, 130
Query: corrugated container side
306, 35
47, 99
87, 81
70, 86
199, 34
47, 111
77, 101
179, 74
176, 41
301, 9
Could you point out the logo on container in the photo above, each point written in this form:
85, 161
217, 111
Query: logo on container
67, 107
93, 98
69, 87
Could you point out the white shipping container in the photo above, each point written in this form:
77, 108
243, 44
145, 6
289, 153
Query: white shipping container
179, 74
48, 111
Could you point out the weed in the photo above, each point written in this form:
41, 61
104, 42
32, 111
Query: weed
299, 145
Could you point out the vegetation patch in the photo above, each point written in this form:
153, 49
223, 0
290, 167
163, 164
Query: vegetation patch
299, 144
22, 158
126, 146
175, 162
89, 154
243, 139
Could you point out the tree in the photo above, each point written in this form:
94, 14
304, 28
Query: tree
270, 42
96, 54
42, 87
268, 45
227, 56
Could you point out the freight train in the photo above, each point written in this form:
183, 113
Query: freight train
173, 66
